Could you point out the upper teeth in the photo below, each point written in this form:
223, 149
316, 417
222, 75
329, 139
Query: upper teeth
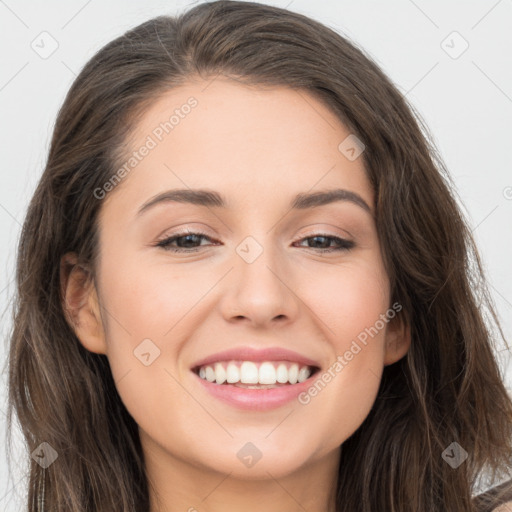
248, 372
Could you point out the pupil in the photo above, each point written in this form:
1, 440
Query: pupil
186, 237
320, 244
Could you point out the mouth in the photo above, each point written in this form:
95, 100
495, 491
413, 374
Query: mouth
254, 386
255, 375
257, 379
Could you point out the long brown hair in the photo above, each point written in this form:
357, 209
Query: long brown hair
447, 389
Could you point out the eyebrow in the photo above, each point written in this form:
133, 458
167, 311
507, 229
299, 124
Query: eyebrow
210, 198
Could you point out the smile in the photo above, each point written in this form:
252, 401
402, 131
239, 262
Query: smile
255, 375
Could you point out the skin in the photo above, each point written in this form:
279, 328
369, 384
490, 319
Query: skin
259, 148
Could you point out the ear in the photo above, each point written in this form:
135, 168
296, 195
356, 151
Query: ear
397, 339
80, 304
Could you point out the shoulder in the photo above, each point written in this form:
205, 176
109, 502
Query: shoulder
499, 497
505, 507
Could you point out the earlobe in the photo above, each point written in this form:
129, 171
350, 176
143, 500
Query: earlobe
397, 340
80, 304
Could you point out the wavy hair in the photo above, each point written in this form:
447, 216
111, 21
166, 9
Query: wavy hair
448, 388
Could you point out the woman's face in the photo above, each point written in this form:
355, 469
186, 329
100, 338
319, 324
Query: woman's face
256, 277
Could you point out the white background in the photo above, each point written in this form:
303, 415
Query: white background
465, 101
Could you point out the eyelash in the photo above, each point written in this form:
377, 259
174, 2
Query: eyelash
345, 245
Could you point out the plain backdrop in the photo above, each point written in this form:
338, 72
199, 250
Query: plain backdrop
452, 60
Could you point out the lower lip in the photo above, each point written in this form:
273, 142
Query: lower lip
256, 399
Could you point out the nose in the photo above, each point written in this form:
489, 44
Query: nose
260, 292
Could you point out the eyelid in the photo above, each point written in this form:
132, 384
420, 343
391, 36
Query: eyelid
324, 232
183, 232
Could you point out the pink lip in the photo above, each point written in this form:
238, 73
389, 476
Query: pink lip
257, 399
256, 355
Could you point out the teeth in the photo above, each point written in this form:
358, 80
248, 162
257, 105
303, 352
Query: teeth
233, 373
303, 374
247, 372
210, 374
220, 373
267, 374
282, 374
293, 373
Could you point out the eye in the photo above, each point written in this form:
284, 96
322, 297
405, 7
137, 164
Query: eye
323, 241
185, 242
190, 241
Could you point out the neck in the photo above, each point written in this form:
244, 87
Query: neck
176, 485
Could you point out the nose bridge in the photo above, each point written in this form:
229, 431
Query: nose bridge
256, 259
258, 289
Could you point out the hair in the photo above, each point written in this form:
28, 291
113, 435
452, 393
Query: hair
448, 388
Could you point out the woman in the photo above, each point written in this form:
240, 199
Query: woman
324, 350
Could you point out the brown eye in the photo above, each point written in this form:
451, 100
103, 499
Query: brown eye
185, 242
323, 242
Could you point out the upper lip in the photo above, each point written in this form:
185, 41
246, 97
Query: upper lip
257, 355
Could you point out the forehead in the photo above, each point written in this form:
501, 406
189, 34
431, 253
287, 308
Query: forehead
249, 141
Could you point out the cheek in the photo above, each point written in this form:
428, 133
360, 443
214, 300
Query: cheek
147, 301
151, 311
352, 305
347, 300
147, 308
